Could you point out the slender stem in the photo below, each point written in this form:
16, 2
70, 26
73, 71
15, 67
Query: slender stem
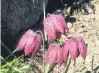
44, 8
74, 66
44, 18
43, 45
3, 59
92, 63
10, 63
6, 47
15, 50
67, 68
11, 54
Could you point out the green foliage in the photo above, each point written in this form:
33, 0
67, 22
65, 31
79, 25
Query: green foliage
67, 12
9, 67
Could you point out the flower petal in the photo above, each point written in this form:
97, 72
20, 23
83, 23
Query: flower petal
51, 54
66, 51
37, 42
59, 55
82, 47
57, 23
49, 29
73, 45
24, 39
29, 45
63, 22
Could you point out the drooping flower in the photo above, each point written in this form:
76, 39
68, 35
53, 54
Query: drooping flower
57, 24
50, 55
30, 42
24, 39
57, 54
30, 45
75, 46
62, 22
54, 26
54, 54
50, 30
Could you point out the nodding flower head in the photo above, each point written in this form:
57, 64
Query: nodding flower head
54, 25
30, 42
50, 55
54, 54
59, 54
74, 47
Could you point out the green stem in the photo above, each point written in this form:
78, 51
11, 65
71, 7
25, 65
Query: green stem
11, 54
9, 51
44, 18
44, 8
3, 59
74, 66
10, 63
67, 68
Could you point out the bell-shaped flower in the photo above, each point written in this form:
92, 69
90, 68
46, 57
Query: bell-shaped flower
57, 24
54, 26
30, 42
75, 46
71, 46
49, 28
54, 54
28, 48
62, 23
24, 39
50, 55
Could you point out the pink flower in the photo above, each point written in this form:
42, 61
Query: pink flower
50, 30
24, 39
54, 26
28, 48
57, 24
54, 54
59, 55
82, 47
62, 22
37, 43
65, 51
50, 55
75, 46
71, 48
30, 42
